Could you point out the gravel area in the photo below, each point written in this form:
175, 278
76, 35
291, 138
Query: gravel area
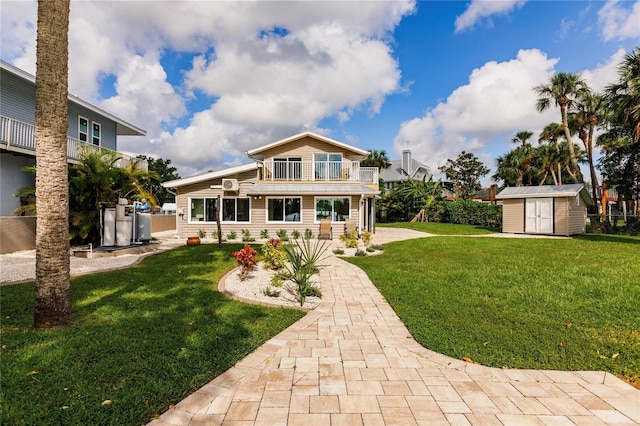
253, 286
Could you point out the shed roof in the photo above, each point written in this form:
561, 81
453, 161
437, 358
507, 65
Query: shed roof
311, 188
544, 191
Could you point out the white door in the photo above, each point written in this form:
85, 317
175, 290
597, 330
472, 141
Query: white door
539, 215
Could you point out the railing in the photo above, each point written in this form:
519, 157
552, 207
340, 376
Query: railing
324, 171
21, 137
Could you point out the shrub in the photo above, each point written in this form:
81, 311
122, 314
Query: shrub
268, 291
303, 260
232, 235
366, 237
276, 281
214, 235
264, 233
246, 236
246, 259
202, 233
350, 241
360, 253
370, 249
466, 212
338, 251
308, 234
273, 254
376, 247
295, 234
282, 234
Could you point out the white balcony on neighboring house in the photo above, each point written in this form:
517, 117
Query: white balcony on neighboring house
20, 137
319, 171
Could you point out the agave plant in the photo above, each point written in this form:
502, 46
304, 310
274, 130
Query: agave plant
303, 260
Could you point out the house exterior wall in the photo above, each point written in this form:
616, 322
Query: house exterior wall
12, 178
17, 98
577, 219
305, 148
513, 216
189, 226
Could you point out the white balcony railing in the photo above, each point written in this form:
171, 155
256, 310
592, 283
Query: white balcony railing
21, 137
324, 171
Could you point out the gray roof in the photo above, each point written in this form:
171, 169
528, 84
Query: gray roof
394, 172
545, 191
311, 188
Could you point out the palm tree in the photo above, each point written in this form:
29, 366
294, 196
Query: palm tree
589, 112
378, 159
53, 292
522, 137
624, 96
563, 89
546, 158
551, 133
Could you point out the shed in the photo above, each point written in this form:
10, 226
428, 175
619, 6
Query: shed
545, 209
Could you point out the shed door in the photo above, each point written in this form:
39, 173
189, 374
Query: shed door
539, 215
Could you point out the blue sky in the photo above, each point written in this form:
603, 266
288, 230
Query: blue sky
211, 80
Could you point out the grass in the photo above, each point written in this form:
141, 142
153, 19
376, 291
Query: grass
442, 228
143, 338
566, 304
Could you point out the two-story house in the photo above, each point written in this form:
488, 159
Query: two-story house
291, 184
399, 170
89, 127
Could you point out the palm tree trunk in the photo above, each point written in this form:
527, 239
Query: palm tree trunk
53, 292
592, 169
577, 176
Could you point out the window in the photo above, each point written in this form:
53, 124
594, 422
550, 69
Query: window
284, 210
96, 133
83, 129
235, 210
336, 209
203, 209
287, 168
327, 166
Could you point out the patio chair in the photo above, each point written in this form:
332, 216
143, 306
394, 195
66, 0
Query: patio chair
325, 230
349, 227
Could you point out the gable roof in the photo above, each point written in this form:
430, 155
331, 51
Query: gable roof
122, 127
342, 146
210, 175
394, 172
544, 191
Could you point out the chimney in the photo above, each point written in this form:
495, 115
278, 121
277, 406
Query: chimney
406, 161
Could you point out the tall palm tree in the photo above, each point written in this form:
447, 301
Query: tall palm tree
53, 292
522, 138
562, 90
624, 96
589, 113
546, 158
552, 133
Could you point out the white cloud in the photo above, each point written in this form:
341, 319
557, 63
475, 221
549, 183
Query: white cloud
267, 68
605, 73
478, 10
498, 101
618, 22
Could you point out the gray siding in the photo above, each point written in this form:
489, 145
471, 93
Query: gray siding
18, 101
12, 178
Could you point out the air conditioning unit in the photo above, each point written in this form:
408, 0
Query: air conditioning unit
230, 184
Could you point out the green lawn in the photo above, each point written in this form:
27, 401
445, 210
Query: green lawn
442, 228
143, 338
567, 304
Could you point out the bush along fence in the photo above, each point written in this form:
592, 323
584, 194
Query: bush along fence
466, 212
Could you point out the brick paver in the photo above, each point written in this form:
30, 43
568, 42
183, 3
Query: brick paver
351, 361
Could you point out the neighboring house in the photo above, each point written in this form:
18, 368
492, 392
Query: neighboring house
394, 174
292, 184
89, 127
546, 209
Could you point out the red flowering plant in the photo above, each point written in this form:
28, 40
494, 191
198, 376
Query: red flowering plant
246, 259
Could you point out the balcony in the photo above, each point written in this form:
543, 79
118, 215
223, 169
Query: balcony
319, 171
20, 137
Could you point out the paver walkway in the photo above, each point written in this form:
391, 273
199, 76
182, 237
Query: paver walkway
352, 361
